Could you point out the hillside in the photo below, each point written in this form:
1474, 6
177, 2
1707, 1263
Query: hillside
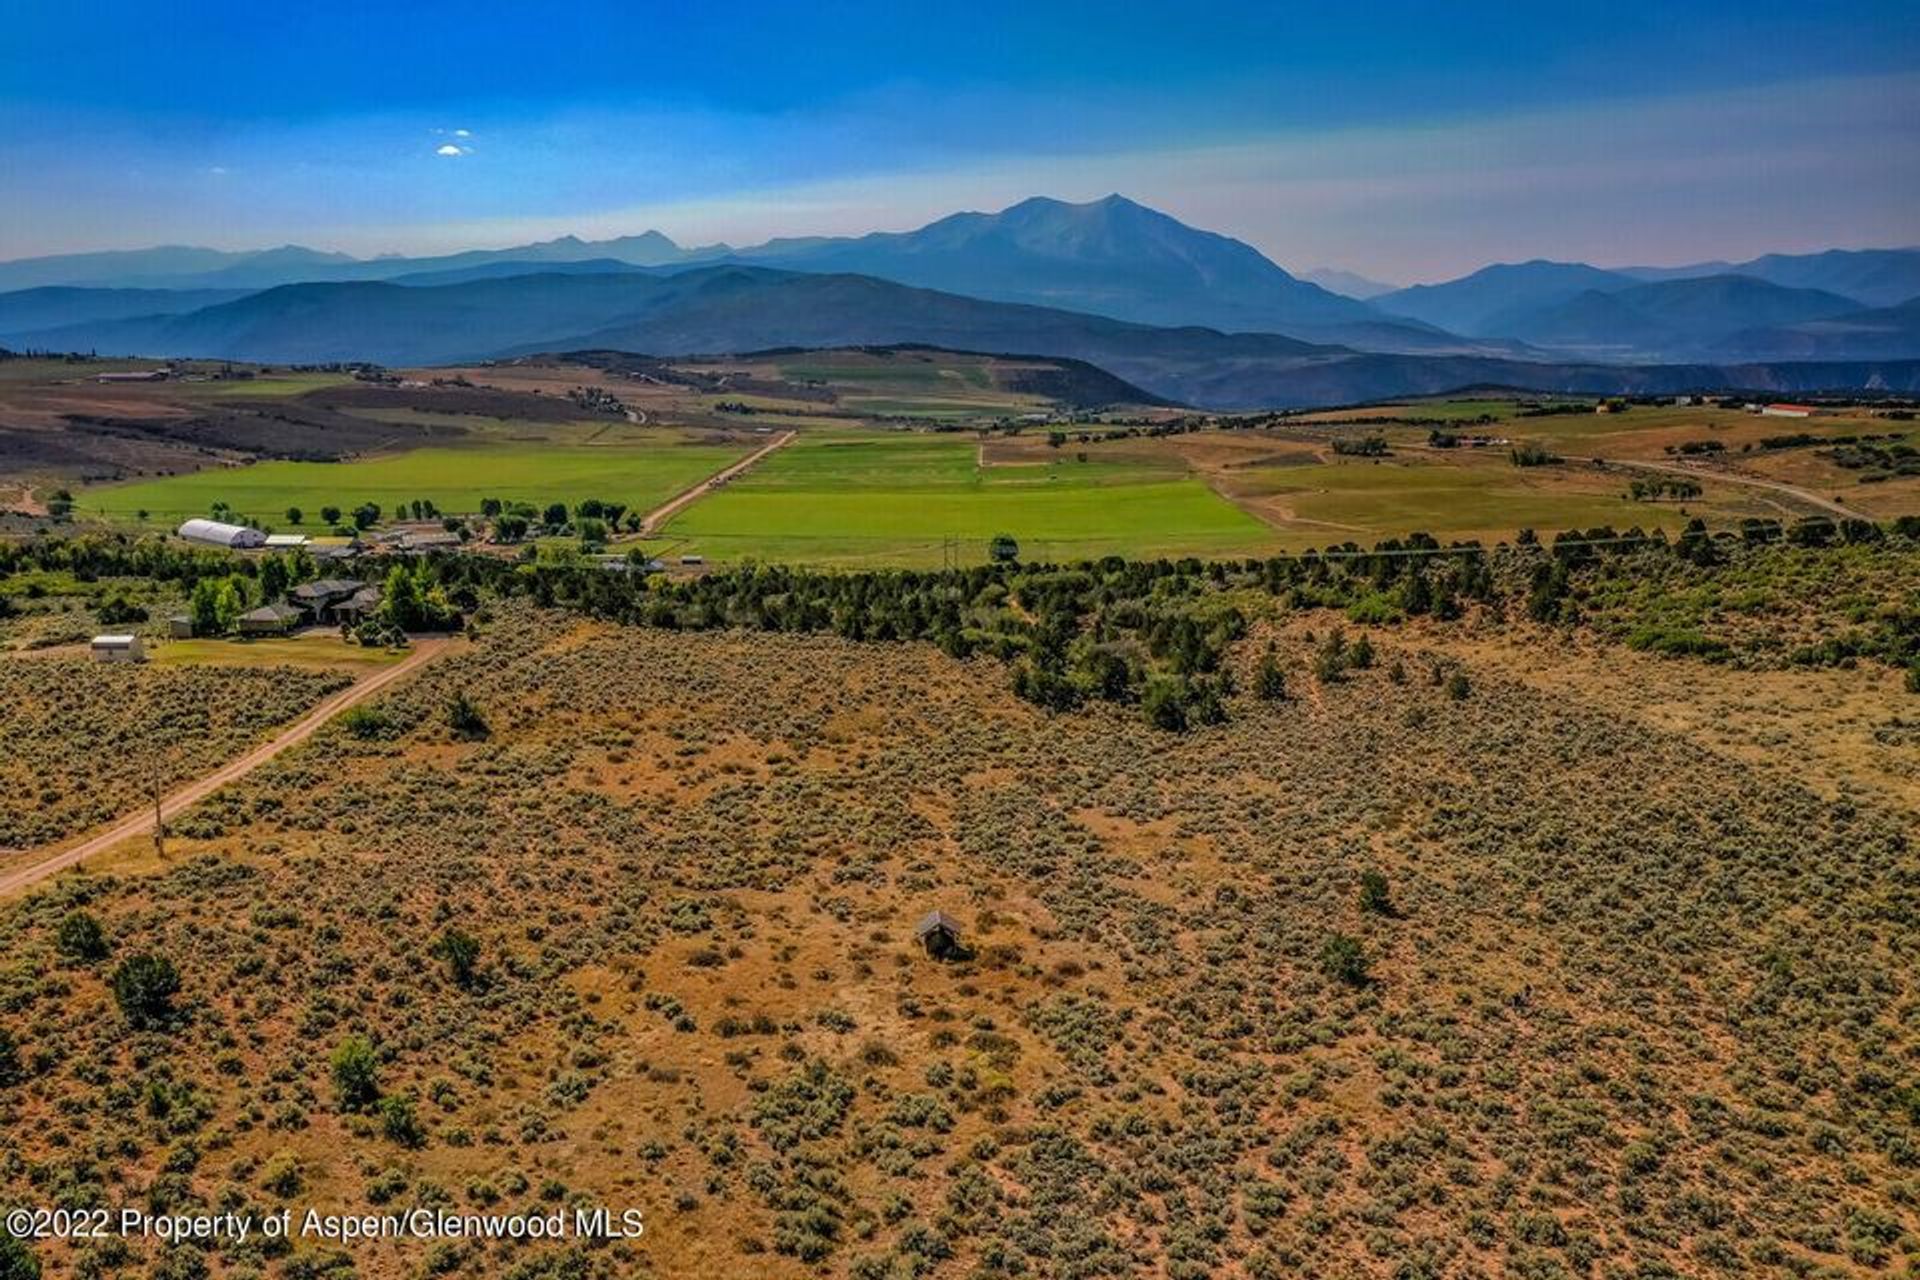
1596, 322
1875, 277
1360, 377
1873, 334
1475, 304
1671, 318
185, 268
1399, 974
735, 308
709, 309
27, 311
165, 266
388, 323
1668, 311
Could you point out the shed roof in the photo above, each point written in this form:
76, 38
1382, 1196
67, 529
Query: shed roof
935, 921
275, 612
114, 642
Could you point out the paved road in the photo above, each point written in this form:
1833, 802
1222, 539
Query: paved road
660, 515
140, 823
1735, 477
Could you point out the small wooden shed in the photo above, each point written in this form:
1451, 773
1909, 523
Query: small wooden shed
939, 933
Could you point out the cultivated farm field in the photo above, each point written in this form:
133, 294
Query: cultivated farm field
870, 498
908, 456
641, 476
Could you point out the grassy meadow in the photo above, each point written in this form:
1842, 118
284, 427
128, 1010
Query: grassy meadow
642, 476
322, 651
267, 385
1481, 496
895, 499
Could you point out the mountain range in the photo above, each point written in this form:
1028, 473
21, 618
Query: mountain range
1110, 257
1185, 313
1747, 309
732, 307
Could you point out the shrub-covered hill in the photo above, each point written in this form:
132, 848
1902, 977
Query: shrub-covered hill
1155, 634
1395, 977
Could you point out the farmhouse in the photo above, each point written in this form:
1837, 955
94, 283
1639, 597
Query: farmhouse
269, 620
324, 598
118, 649
213, 533
1788, 411
358, 605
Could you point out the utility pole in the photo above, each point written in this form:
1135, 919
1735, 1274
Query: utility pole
155, 725
159, 817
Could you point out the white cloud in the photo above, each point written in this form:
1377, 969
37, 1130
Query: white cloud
450, 150
462, 133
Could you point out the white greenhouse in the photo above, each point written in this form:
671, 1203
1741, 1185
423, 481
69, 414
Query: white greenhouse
213, 533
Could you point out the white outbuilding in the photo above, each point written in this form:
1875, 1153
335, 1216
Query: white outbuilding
213, 533
118, 649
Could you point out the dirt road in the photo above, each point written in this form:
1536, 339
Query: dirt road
1734, 477
1724, 476
660, 515
141, 822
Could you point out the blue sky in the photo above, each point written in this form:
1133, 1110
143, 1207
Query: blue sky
1405, 140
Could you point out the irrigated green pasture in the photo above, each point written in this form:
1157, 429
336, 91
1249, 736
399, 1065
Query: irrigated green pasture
642, 476
896, 499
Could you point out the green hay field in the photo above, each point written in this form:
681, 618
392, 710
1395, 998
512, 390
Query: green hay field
267, 386
642, 476
861, 499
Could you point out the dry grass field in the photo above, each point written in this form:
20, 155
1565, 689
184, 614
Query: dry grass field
1639, 998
